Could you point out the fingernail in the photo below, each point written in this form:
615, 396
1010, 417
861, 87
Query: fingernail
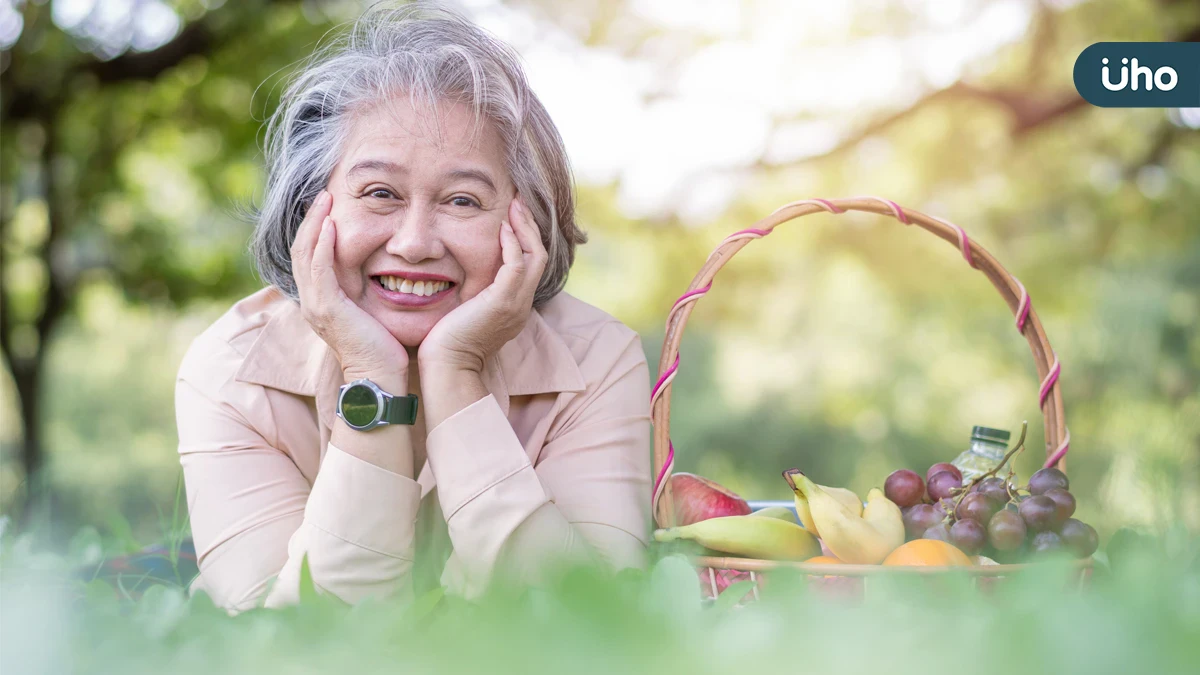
507, 226
323, 198
325, 224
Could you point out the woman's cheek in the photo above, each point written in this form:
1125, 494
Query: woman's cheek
476, 278
353, 249
360, 235
489, 267
350, 279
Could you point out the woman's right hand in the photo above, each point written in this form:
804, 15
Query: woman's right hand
363, 346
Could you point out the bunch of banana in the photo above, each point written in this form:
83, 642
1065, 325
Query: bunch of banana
780, 512
753, 536
845, 497
859, 536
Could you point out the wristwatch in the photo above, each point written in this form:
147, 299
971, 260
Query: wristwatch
363, 406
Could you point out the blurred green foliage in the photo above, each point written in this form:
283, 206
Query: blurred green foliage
1139, 614
845, 345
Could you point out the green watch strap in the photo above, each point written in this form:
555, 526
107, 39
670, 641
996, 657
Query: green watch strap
401, 410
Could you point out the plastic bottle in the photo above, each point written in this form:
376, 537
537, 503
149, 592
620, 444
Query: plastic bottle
987, 448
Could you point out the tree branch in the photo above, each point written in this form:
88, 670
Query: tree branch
1043, 36
1028, 111
5, 304
1156, 152
196, 38
55, 301
30, 102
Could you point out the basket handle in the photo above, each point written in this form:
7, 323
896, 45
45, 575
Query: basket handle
1058, 437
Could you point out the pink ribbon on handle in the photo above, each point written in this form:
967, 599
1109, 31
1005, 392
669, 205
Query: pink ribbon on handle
964, 242
1023, 306
660, 483
666, 377
749, 230
683, 299
1049, 382
893, 206
1043, 394
1060, 452
823, 203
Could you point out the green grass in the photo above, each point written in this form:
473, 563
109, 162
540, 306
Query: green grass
1141, 614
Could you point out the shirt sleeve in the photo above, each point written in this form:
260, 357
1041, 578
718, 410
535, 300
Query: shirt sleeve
587, 498
254, 515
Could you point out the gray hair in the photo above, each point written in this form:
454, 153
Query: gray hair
435, 55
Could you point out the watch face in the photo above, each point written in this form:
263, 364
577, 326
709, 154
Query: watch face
359, 405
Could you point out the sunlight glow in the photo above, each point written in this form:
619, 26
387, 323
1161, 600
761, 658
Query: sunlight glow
661, 128
115, 26
11, 24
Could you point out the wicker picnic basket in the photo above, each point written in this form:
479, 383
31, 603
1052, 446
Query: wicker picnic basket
720, 571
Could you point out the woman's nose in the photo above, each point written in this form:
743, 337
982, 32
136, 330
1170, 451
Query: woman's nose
415, 234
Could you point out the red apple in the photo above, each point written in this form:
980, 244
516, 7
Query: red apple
698, 498
722, 578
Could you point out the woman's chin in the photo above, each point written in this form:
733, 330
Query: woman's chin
409, 337
408, 327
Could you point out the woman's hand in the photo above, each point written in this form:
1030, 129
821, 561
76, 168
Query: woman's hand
363, 346
476, 329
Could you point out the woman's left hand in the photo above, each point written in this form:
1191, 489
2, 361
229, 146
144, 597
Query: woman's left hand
478, 328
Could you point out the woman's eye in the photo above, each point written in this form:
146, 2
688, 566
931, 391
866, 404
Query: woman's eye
381, 193
463, 201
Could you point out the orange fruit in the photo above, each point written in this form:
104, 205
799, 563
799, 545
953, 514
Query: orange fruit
927, 552
827, 560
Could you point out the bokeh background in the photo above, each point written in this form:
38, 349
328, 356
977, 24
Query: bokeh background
130, 135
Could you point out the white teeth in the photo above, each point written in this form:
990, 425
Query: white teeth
421, 288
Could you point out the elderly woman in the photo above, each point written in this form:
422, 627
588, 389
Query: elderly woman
413, 400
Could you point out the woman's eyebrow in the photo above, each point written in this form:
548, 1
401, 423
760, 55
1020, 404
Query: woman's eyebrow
374, 165
473, 174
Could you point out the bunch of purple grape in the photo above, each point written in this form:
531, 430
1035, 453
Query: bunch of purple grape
992, 517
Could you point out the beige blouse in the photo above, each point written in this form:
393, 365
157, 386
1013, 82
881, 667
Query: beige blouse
553, 465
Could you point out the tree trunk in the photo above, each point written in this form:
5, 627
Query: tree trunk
28, 379
28, 371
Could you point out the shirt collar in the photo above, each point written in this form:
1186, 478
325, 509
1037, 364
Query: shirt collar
288, 355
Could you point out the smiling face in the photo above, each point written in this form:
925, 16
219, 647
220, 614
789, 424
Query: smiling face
413, 208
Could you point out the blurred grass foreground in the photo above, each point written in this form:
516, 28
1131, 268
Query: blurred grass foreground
1139, 614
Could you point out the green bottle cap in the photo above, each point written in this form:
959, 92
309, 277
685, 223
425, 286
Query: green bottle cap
990, 435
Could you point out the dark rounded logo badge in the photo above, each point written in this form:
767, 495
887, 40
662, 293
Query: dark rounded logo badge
1140, 74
